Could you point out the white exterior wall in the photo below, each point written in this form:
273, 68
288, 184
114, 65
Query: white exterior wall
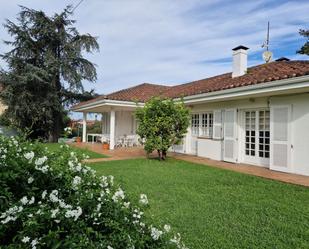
209, 148
212, 148
299, 131
124, 123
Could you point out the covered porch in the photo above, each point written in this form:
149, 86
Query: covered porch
118, 123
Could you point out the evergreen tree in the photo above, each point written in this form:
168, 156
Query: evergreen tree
305, 48
46, 67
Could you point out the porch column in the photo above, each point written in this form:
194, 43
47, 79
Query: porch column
188, 140
112, 130
84, 127
102, 123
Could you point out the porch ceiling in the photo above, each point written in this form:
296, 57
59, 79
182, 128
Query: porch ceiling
107, 106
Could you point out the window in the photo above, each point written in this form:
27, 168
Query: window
195, 123
202, 124
207, 124
264, 134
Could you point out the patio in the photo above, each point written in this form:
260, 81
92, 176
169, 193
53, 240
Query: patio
138, 152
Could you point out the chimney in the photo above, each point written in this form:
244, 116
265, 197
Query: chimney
240, 55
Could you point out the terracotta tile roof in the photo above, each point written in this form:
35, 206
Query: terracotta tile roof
140, 93
273, 71
276, 70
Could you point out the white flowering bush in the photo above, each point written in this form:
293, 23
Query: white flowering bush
52, 200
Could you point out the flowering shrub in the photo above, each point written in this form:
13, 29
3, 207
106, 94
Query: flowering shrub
67, 131
52, 200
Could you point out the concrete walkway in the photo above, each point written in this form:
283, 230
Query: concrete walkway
138, 152
112, 155
247, 169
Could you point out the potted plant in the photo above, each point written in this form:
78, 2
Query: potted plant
105, 146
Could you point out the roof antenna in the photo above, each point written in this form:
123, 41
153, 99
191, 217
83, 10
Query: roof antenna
267, 55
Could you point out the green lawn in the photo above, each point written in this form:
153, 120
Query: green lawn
56, 146
214, 208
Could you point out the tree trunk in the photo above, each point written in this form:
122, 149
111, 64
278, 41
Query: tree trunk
159, 154
57, 116
163, 155
56, 130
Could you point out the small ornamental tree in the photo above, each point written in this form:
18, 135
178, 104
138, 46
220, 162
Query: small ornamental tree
305, 48
162, 123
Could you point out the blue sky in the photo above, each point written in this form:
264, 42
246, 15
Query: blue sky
175, 41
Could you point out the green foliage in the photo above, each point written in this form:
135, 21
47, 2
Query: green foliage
162, 123
51, 200
305, 48
46, 67
4, 120
95, 128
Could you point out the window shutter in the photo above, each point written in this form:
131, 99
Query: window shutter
217, 124
230, 119
280, 137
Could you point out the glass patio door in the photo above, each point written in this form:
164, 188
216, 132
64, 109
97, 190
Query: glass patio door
257, 137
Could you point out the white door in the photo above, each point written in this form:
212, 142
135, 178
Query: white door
230, 135
256, 137
280, 138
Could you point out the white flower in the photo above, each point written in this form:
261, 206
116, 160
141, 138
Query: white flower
31, 200
167, 228
25, 239
78, 167
40, 161
24, 200
44, 193
54, 212
29, 156
53, 196
30, 180
34, 243
43, 169
109, 247
74, 213
155, 233
119, 194
76, 181
126, 204
143, 199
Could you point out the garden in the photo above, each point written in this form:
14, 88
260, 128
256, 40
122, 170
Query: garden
52, 198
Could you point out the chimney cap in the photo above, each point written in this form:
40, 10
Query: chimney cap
240, 47
283, 59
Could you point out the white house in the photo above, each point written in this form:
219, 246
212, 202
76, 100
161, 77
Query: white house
257, 115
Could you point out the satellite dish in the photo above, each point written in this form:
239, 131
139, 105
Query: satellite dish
267, 56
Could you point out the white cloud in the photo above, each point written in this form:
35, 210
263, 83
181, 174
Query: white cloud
170, 42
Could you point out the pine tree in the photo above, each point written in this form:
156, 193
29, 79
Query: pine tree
305, 48
45, 70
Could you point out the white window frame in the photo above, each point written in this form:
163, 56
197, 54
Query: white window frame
206, 124
202, 124
195, 124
